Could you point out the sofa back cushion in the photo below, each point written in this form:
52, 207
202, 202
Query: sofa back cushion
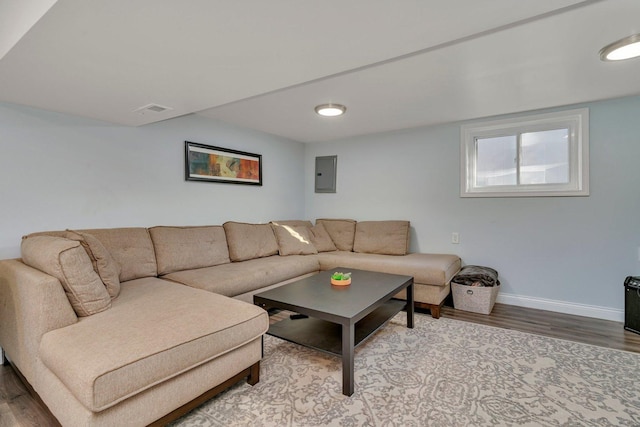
321, 239
131, 248
342, 232
294, 222
382, 237
101, 259
293, 239
186, 248
250, 241
67, 261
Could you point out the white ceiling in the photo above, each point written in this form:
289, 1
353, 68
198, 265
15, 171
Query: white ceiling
265, 64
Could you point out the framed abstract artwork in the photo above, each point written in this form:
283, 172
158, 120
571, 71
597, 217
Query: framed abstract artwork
215, 164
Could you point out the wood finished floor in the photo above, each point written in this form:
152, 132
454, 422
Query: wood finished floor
18, 409
587, 330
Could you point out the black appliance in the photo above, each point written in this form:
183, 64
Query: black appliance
632, 304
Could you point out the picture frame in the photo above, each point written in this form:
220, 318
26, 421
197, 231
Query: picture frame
207, 163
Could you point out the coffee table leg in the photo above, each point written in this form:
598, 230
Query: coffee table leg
410, 306
348, 333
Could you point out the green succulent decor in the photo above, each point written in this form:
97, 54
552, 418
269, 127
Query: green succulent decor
341, 276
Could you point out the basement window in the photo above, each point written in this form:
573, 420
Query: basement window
541, 155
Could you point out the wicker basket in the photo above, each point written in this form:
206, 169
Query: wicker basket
477, 299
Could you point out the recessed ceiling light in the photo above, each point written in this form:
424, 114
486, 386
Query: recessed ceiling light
626, 48
330, 110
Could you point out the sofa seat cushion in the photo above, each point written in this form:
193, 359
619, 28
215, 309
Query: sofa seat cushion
429, 269
154, 331
246, 276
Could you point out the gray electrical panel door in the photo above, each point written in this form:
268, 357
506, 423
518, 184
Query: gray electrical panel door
326, 174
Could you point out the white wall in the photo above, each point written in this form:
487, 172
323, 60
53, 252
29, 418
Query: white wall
59, 171
567, 254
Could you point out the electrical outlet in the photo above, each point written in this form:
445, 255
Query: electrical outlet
455, 238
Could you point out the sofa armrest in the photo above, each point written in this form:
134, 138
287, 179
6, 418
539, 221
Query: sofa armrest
32, 303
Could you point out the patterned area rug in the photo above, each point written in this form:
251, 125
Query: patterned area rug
441, 373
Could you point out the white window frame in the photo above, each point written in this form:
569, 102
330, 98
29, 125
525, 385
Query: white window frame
577, 121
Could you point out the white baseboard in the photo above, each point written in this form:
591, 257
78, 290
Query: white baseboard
605, 313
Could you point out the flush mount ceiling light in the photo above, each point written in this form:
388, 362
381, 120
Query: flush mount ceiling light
626, 48
330, 110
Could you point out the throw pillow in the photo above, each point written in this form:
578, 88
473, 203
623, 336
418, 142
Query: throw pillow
103, 263
321, 239
249, 241
132, 249
293, 239
67, 261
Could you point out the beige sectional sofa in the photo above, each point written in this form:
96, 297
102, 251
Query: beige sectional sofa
136, 326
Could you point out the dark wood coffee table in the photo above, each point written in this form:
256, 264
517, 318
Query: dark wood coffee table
340, 317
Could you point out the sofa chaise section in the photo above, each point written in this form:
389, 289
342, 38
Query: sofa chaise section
384, 246
154, 331
147, 355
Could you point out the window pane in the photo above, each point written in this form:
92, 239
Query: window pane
544, 157
541, 155
496, 161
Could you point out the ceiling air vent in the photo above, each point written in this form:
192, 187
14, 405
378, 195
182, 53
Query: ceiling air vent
155, 108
